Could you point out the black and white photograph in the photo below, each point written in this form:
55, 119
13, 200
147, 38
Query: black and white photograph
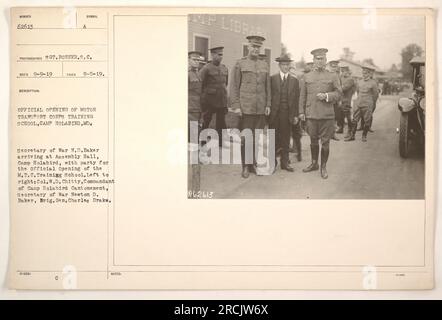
306, 165
293, 106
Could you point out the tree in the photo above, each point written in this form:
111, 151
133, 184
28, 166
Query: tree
408, 53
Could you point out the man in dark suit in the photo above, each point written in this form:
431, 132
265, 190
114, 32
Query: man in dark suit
284, 107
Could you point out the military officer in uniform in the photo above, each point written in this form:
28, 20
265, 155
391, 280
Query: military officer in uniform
214, 77
367, 89
320, 90
284, 107
374, 107
250, 93
194, 115
194, 87
348, 89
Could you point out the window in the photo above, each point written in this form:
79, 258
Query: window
268, 53
201, 44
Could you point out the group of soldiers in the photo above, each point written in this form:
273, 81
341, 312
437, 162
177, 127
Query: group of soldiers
319, 100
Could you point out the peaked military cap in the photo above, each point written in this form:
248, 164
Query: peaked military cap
368, 67
334, 61
319, 52
258, 40
283, 58
343, 67
194, 53
216, 49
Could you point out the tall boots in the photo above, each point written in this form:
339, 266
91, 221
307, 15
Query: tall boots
351, 136
285, 164
315, 154
364, 132
349, 131
362, 125
369, 127
325, 151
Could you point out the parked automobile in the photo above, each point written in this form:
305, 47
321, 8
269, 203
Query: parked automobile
412, 119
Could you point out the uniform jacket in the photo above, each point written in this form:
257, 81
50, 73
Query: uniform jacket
368, 93
250, 86
214, 86
338, 104
293, 95
194, 88
316, 82
348, 89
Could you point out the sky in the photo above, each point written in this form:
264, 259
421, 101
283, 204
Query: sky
381, 38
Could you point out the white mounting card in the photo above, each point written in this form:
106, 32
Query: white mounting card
105, 192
